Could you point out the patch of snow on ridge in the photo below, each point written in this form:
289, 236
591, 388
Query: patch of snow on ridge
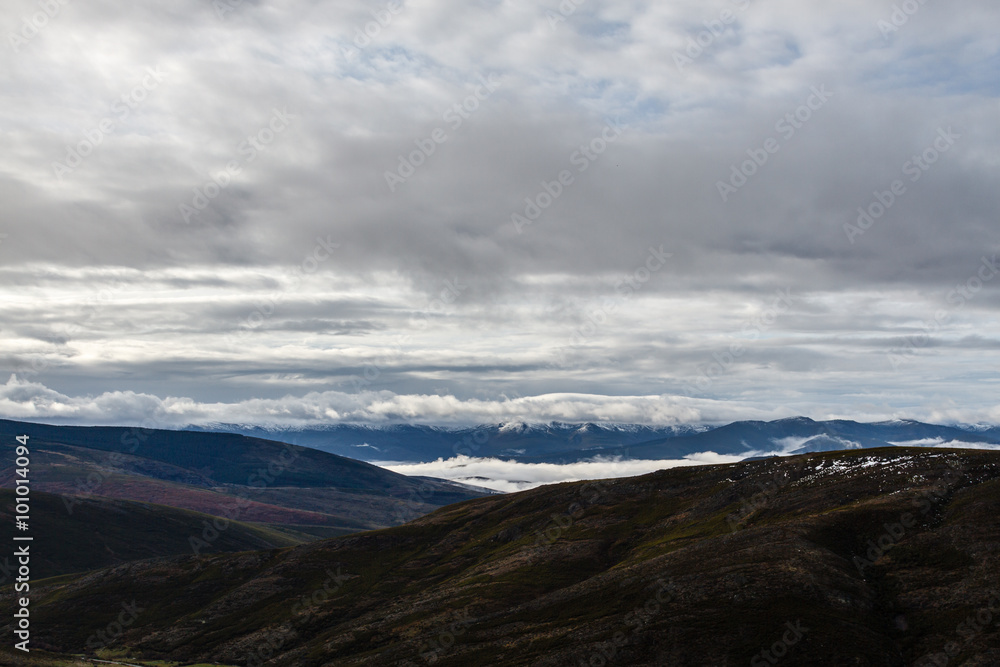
512, 427
826, 467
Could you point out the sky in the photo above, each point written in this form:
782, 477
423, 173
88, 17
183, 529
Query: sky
431, 211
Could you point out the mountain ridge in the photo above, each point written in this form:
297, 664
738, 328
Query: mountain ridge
227, 475
565, 442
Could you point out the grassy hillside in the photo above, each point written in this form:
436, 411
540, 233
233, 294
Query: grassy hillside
102, 532
858, 558
223, 458
231, 476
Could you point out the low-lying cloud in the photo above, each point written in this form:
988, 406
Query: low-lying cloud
947, 444
510, 476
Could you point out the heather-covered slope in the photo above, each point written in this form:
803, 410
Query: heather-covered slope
101, 532
875, 557
236, 477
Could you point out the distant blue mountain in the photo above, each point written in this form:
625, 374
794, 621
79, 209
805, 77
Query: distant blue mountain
558, 442
517, 440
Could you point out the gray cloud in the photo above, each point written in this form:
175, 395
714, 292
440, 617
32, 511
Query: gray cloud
303, 271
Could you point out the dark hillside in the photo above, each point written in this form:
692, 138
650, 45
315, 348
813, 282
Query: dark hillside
872, 557
231, 476
102, 532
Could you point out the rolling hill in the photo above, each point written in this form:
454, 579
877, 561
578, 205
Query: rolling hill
231, 476
873, 558
102, 532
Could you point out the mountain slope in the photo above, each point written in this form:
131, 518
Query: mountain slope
870, 557
227, 458
102, 532
232, 476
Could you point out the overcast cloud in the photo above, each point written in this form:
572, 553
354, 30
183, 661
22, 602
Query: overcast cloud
248, 212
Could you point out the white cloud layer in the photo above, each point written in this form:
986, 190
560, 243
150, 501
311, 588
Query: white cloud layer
510, 476
948, 444
32, 401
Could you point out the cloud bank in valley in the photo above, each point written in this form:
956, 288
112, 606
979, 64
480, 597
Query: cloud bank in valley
510, 476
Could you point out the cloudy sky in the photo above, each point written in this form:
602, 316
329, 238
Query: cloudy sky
439, 211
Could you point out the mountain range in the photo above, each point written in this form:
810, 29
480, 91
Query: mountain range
558, 442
